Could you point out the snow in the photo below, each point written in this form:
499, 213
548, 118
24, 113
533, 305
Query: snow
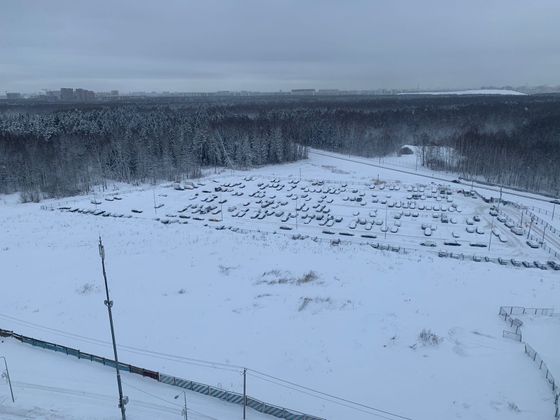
469, 92
50, 385
342, 319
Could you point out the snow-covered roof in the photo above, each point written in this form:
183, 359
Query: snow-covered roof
469, 92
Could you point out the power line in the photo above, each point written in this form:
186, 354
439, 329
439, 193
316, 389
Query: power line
221, 366
178, 407
329, 395
323, 398
86, 394
131, 349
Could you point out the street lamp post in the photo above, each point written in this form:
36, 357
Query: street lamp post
8, 378
184, 411
109, 303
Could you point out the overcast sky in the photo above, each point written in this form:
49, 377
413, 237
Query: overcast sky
208, 45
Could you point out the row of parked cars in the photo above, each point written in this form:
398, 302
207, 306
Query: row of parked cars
552, 265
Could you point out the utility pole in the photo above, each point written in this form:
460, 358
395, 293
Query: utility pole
109, 303
8, 378
244, 393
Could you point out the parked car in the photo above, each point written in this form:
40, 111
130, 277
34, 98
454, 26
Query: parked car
517, 230
502, 261
540, 265
554, 265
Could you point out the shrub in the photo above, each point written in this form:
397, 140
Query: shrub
428, 338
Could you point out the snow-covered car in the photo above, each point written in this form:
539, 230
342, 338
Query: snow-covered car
517, 230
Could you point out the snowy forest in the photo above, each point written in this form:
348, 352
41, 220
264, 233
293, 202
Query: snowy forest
54, 150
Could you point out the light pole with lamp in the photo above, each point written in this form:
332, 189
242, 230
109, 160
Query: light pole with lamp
184, 411
8, 378
109, 303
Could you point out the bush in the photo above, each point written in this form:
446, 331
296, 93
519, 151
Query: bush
30, 197
428, 338
307, 278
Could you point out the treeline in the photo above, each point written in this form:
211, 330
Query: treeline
67, 152
505, 140
66, 149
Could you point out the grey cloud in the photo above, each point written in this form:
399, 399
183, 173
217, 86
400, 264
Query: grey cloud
270, 45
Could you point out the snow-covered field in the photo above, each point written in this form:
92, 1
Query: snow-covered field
269, 289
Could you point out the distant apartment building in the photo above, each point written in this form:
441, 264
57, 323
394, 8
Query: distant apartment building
79, 95
52, 95
13, 96
66, 94
84, 95
107, 95
303, 91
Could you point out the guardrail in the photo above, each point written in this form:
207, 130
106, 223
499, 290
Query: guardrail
229, 396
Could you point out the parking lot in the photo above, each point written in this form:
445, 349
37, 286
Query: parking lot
432, 217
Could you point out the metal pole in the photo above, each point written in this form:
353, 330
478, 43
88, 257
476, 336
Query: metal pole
491, 233
109, 303
8, 378
543, 231
386, 227
530, 226
185, 397
184, 411
244, 393
296, 211
500, 200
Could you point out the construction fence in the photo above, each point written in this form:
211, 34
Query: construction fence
532, 353
515, 324
211, 391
